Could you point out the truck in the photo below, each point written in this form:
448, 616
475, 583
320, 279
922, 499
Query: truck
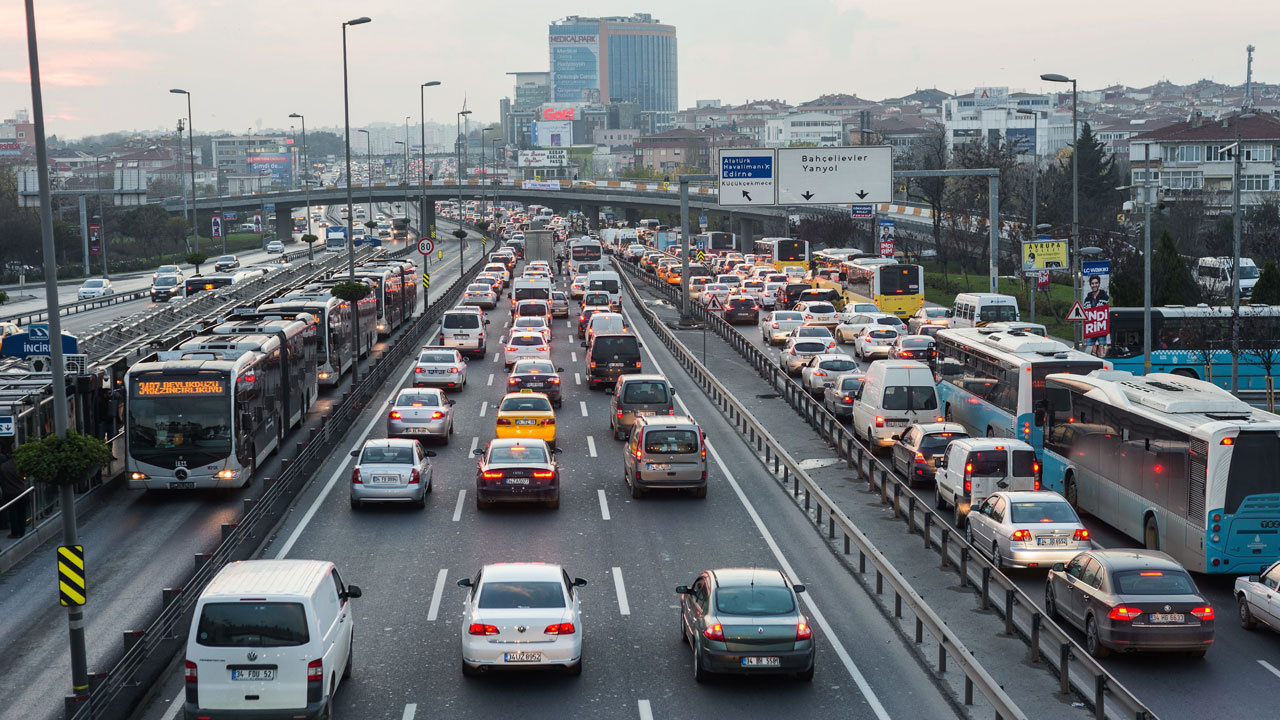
335, 239
539, 245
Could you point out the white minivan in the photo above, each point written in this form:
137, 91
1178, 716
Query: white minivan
464, 330
979, 309
895, 394
974, 468
269, 638
606, 281
531, 288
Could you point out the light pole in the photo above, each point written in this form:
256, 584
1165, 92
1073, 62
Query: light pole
484, 170
494, 145
351, 216
1075, 191
423, 231
368, 161
1237, 156
460, 144
406, 167
191, 147
306, 181
102, 214
1035, 197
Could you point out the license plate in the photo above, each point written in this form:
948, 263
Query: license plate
644, 413
435, 372
1167, 617
895, 422
415, 430
185, 485
253, 674
761, 662
459, 337
657, 466
533, 385
616, 364
1051, 541
517, 481
386, 480
525, 656
524, 422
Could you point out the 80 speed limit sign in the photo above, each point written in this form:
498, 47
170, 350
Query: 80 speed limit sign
425, 246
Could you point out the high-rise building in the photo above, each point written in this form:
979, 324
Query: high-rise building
607, 59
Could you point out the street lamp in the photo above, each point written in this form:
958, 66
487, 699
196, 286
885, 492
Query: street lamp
368, 162
458, 151
484, 169
1075, 190
191, 146
403, 179
423, 230
494, 145
351, 235
102, 214
306, 183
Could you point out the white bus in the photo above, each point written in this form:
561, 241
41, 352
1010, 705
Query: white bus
1178, 464
584, 250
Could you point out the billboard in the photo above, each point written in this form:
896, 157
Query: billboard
278, 164
1096, 301
1021, 140
543, 158
986, 97
887, 232
10, 147
1043, 253
553, 134
575, 63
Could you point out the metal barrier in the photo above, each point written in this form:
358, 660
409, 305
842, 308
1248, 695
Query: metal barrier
1047, 641
146, 654
72, 308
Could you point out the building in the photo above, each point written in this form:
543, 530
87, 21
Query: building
991, 115
1190, 158
616, 137
605, 59
20, 130
256, 155
672, 149
804, 129
532, 90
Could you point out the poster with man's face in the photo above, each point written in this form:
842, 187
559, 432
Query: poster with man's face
1096, 301
217, 227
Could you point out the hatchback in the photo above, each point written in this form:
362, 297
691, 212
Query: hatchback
521, 615
559, 304
480, 295
838, 395
440, 366
667, 452
421, 412
779, 324
916, 450
521, 345
95, 288
742, 308
533, 323
914, 347
818, 313
820, 370
797, 351
875, 341
225, 263
391, 470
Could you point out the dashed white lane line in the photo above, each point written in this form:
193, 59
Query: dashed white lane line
1270, 668
568, 324
573, 355
623, 607
490, 379
583, 404
434, 610
411, 709
495, 357
646, 712
591, 446
484, 407
474, 442
577, 379
457, 509
604, 505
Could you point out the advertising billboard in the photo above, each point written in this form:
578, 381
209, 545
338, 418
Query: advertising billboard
543, 158
278, 164
553, 134
1043, 253
1021, 140
1096, 301
985, 97
575, 63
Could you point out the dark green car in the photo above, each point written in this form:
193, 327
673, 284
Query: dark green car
746, 621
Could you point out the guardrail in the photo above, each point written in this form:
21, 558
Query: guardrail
71, 308
787, 471
1047, 642
147, 653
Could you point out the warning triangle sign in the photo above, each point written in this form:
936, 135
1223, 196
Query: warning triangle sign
714, 304
1076, 314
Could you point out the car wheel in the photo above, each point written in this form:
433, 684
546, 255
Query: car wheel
1246, 615
554, 504
996, 558
1091, 640
956, 518
1050, 602
328, 713
699, 673
938, 502
700, 492
968, 535
346, 670
574, 670
355, 504
483, 504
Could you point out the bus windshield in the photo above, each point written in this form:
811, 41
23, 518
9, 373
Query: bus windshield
792, 250
164, 428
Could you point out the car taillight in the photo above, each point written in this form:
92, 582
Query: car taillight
1124, 613
418, 370
315, 671
548, 421
819, 373
453, 371
773, 325
803, 631
492, 474
847, 399
437, 415
414, 477
1204, 613
395, 415
1081, 534
560, 629
1020, 535
879, 421
920, 457
502, 421
482, 629
671, 409
715, 632
513, 381
555, 381
938, 419
793, 352
510, 349
593, 366
544, 474
543, 348
807, 316
619, 413
355, 477
190, 673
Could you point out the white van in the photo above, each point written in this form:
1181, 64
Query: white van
974, 468
1020, 326
269, 638
609, 282
531, 288
895, 394
464, 330
1214, 275
978, 309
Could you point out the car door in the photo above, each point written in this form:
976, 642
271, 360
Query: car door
980, 520
1095, 599
695, 607
346, 626
1071, 598
1267, 597
904, 451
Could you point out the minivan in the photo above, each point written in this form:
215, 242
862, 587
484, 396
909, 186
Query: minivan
269, 638
526, 288
1214, 275
665, 452
979, 309
611, 355
464, 330
895, 394
974, 468
606, 281
604, 322
636, 396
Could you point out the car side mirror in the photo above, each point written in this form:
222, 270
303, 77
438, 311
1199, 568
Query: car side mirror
579, 582
682, 589
464, 583
507, 370
354, 453
1039, 417
452, 403
673, 391
583, 343
942, 461
486, 321
429, 453
1059, 566
1002, 484
798, 588
478, 452
353, 591
557, 451
827, 385
897, 437
1254, 578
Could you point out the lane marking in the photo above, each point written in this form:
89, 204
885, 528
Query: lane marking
623, 607
573, 355
490, 379
568, 324
1270, 668
591, 447
646, 712
457, 509
434, 610
484, 407
474, 442
583, 404
411, 709
495, 357
604, 505
577, 378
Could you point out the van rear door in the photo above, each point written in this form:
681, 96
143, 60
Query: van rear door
247, 655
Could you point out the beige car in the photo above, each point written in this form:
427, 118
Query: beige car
666, 453
636, 396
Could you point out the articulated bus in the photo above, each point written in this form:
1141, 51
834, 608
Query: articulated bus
333, 331
583, 250
894, 288
782, 252
1178, 464
367, 308
297, 336
1196, 342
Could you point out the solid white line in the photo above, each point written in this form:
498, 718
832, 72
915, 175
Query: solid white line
858, 678
646, 712
623, 607
484, 407
573, 355
591, 447
434, 610
577, 379
412, 709
1270, 668
457, 509
490, 379
474, 441
604, 505
583, 404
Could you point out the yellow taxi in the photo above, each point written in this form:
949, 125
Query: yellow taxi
526, 414
673, 275
664, 266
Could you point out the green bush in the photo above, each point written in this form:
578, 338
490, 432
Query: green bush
55, 460
351, 291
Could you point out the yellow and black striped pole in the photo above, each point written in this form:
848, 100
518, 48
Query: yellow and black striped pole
71, 584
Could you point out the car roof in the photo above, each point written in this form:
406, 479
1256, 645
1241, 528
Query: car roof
510, 395
390, 442
1032, 496
941, 427
668, 422
836, 356
267, 577
1135, 559
521, 571
647, 377
737, 577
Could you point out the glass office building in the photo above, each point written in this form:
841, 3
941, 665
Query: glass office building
614, 59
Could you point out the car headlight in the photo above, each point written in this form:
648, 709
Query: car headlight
138, 476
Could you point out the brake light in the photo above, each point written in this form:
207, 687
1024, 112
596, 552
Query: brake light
502, 421
803, 631
793, 351
1081, 534
453, 371
1020, 535
1124, 613
542, 348
939, 419
848, 399
315, 671
560, 629
355, 477
512, 381
418, 370
968, 486
482, 629
395, 415
593, 366
1225, 441
492, 474
773, 325
920, 457
437, 415
414, 477
544, 474
548, 421
190, 672
819, 373
879, 421
715, 632
555, 381
1204, 613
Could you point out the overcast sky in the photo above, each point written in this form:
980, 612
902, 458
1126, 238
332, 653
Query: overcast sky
108, 64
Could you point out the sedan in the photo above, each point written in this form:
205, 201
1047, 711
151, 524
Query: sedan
746, 621
816, 332
521, 615
875, 341
424, 412
929, 316
481, 295
838, 395
522, 345
1258, 599
917, 449
536, 376
275, 246
914, 347
225, 263
818, 313
578, 287
1129, 601
533, 323
719, 291
1027, 529
440, 366
820, 370
742, 308
168, 270
526, 414
166, 287
779, 324
797, 351
391, 470
95, 288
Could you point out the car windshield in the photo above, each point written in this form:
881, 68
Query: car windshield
1153, 582
526, 403
252, 624
168, 270
227, 258
910, 397
1248, 272
512, 595
536, 367
418, 399
437, 357
670, 442
1042, 511
645, 391
387, 455
755, 600
937, 312
166, 280
93, 283
518, 454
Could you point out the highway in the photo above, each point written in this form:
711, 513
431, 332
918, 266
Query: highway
1240, 663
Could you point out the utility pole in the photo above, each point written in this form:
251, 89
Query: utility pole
686, 309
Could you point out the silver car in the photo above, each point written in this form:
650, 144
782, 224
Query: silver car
837, 396
421, 412
778, 325
1027, 529
391, 470
559, 304
797, 352
441, 367
822, 369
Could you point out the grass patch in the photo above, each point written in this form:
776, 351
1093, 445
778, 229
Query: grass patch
939, 290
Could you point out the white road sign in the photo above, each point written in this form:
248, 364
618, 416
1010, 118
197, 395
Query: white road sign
747, 176
834, 175
425, 246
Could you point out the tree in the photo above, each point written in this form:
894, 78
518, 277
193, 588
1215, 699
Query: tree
460, 234
1100, 202
309, 238
197, 259
353, 291
932, 154
57, 460
1267, 291
1171, 281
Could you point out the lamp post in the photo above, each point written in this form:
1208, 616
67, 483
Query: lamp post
191, 147
404, 175
494, 145
484, 170
306, 182
102, 214
423, 231
458, 150
1035, 197
368, 161
351, 235
1075, 191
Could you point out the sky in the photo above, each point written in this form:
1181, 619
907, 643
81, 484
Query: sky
107, 65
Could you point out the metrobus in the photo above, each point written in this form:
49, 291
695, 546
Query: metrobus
333, 331
366, 308
1196, 342
387, 290
893, 287
583, 250
297, 337
717, 243
991, 382
1178, 464
408, 283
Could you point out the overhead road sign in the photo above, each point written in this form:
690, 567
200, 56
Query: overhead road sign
747, 176
829, 175
6, 426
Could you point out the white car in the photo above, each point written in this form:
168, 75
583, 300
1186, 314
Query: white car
858, 308
769, 295
275, 246
823, 369
522, 345
1027, 529
533, 323
875, 341
520, 615
778, 325
578, 287
481, 295
816, 332
440, 367
851, 326
818, 313
719, 291
1258, 598
797, 352
95, 288
168, 270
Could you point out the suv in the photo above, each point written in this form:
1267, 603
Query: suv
637, 396
464, 330
610, 356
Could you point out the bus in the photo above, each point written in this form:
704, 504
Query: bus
893, 287
1179, 465
296, 336
764, 250
1196, 342
583, 250
387, 290
782, 252
366, 308
333, 331
717, 243
991, 382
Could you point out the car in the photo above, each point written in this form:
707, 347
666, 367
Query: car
521, 344
852, 323
818, 313
732, 280
875, 341
520, 615
225, 263
537, 376
440, 366
525, 414
838, 394
1130, 600
169, 270
719, 291
916, 450
585, 316
778, 326
797, 351
463, 328
635, 396
559, 304
1258, 599
930, 330
578, 287
95, 288
533, 323
604, 322
769, 294
746, 621
1027, 529
742, 308
597, 299
481, 295
665, 452
914, 347
391, 470
929, 316
696, 284
828, 295
816, 332
421, 412
275, 246
820, 369
166, 287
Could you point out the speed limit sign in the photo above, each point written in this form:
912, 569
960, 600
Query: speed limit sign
425, 246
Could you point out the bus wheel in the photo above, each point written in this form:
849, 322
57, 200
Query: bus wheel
1151, 535
1069, 491
947, 412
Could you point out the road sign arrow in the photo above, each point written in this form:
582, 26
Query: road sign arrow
806, 195
861, 194
747, 195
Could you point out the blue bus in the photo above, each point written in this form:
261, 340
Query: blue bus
1195, 342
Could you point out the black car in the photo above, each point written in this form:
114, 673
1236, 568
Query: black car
740, 308
517, 470
165, 288
537, 376
226, 262
789, 294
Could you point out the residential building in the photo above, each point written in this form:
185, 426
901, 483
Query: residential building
616, 137
19, 129
603, 59
256, 155
666, 151
1192, 157
801, 129
990, 115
